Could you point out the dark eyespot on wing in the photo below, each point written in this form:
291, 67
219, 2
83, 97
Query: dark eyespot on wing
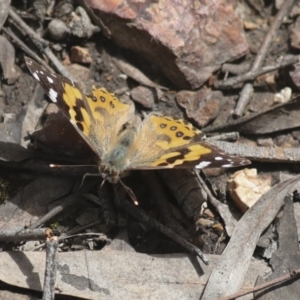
187, 138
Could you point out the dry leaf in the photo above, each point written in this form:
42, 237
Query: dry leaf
228, 277
116, 274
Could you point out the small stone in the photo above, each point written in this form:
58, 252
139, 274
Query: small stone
202, 106
144, 96
80, 55
81, 25
58, 30
265, 142
249, 25
283, 96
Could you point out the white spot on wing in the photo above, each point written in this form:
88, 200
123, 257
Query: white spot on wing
203, 164
53, 95
218, 158
36, 76
49, 79
227, 165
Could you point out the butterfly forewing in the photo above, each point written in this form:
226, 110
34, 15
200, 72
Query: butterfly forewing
98, 117
67, 95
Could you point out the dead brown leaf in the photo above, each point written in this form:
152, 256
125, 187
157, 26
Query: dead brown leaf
227, 278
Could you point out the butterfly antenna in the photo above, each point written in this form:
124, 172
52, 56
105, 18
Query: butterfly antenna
129, 192
69, 166
75, 166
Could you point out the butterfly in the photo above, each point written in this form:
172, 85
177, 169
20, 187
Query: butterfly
124, 141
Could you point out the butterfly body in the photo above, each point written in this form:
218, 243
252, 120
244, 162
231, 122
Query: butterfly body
116, 160
121, 139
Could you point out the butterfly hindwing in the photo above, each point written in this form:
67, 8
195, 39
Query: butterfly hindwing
168, 143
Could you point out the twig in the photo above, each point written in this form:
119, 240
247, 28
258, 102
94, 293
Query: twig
223, 209
101, 236
58, 66
77, 229
24, 235
37, 40
23, 46
251, 75
245, 96
270, 283
235, 69
50, 270
247, 90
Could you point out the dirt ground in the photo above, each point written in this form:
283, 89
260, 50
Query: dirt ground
166, 230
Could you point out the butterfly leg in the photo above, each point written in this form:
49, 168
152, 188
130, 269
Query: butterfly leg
86, 175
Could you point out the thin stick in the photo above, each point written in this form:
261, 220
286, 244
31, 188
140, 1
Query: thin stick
270, 283
18, 42
24, 235
51, 267
253, 74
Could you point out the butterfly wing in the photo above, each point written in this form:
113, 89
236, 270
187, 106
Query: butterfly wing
164, 142
90, 115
